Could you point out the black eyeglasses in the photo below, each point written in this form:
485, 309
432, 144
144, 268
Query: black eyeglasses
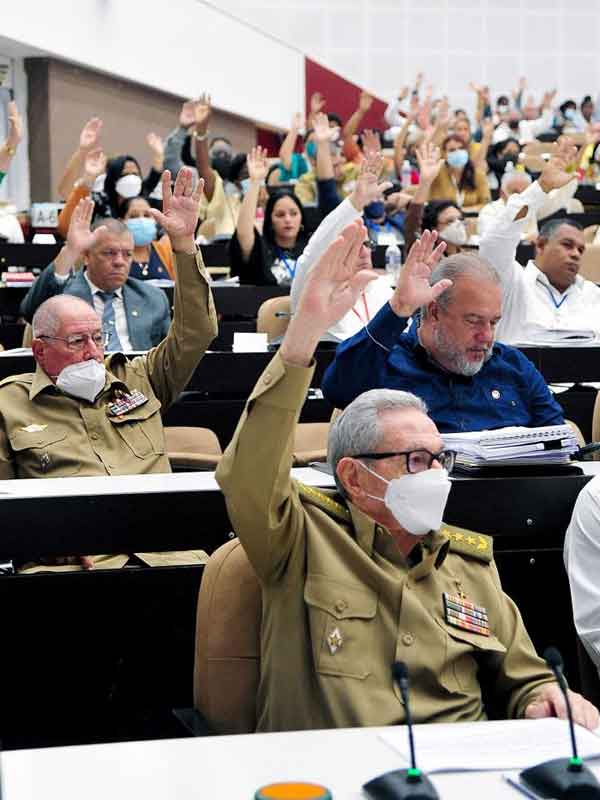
417, 460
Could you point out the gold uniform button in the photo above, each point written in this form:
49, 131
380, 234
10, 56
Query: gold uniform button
94, 436
408, 639
267, 379
341, 605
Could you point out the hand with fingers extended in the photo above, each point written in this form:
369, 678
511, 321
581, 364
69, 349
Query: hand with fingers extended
368, 188
257, 164
89, 137
321, 128
413, 289
371, 143
429, 161
317, 103
202, 112
365, 102
187, 115
554, 175
93, 166
80, 237
180, 209
15, 127
332, 288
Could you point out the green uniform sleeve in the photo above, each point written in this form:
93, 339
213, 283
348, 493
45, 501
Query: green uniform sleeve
254, 473
170, 364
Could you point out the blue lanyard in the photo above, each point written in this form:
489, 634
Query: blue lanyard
377, 227
549, 290
281, 257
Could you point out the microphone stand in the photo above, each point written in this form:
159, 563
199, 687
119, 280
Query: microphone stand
402, 784
562, 778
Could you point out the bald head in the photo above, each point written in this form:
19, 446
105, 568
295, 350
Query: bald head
514, 183
53, 313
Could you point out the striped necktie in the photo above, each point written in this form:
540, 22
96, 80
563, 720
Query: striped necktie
109, 323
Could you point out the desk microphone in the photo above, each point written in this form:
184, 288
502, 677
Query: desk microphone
402, 784
562, 778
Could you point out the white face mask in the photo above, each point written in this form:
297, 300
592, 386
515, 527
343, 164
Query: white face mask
417, 501
454, 233
129, 186
85, 379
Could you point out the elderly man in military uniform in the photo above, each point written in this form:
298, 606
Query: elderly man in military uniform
355, 580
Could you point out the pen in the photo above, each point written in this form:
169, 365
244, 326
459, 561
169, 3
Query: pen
520, 788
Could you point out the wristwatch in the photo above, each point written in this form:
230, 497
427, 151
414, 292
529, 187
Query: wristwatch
199, 137
9, 150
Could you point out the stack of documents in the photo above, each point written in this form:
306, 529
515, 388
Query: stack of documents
557, 337
552, 444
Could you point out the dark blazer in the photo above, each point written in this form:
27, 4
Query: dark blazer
146, 307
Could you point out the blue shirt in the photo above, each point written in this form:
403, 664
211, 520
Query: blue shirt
507, 390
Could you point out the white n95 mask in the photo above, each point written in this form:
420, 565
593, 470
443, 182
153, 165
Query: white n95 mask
129, 186
85, 379
454, 233
416, 500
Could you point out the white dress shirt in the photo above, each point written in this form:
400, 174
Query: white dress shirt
119, 309
530, 304
582, 561
376, 294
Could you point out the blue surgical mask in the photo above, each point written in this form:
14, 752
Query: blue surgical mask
569, 113
245, 184
457, 158
375, 210
143, 230
311, 149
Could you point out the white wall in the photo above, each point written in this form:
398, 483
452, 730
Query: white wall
381, 44
178, 46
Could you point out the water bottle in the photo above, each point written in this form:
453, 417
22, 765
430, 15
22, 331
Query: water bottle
406, 174
393, 262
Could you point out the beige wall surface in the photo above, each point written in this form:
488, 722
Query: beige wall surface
64, 96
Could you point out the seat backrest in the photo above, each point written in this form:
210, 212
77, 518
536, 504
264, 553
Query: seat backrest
589, 266
310, 442
227, 660
267, 321
181, 439
589, 233
27, 335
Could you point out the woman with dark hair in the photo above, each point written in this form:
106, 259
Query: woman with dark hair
502, 154
122, 181
270, 257
152, 254
458, 179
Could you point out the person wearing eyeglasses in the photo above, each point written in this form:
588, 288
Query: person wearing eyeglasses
135, 315
85, 413
355, 579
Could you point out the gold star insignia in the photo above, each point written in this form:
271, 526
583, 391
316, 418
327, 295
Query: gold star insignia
471, 540
334, 641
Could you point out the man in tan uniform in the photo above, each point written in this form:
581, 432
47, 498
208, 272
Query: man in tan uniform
106, 420
349, 586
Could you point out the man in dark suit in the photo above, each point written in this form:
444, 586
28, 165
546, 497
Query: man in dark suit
135, 316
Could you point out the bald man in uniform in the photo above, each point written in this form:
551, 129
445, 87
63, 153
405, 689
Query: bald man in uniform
353, 581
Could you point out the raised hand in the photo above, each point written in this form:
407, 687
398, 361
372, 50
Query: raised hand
321, 127
317, 103
180, 209
297, 121
202, 112
15, 126
487, 128
187, 115
554, 175
430, 162
80, 238
94, 165
548, 98
403, 93
155, 143
371, 144
413, 290
367, 187
365, 102
90, 135
257, 164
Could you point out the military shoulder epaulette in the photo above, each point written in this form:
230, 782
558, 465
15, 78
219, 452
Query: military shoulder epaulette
26, 378
469, 543
324, 501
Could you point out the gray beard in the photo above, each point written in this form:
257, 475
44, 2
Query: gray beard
459, 363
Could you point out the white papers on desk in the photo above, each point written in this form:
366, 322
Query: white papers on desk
161, 283
497, 745
551, 444
544, 337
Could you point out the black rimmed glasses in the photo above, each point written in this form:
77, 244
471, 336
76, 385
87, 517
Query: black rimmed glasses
417, 460
79, 340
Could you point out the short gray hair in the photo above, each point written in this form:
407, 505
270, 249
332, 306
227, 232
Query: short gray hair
455, 267
48, 317
514, 175
358, 428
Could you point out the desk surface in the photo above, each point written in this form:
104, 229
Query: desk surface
229, 767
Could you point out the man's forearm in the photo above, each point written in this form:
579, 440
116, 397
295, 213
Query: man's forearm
203, 165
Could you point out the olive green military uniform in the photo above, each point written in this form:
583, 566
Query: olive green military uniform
341, 604
47, 434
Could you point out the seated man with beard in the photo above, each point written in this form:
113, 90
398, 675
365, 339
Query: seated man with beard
450, 360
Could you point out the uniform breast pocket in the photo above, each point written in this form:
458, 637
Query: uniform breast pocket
142, 429
465, 651
44, 453
342, 624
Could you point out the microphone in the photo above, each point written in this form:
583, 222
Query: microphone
562, 778
401, 784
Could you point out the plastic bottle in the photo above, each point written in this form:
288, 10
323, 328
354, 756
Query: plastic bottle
406, 174
393, 262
